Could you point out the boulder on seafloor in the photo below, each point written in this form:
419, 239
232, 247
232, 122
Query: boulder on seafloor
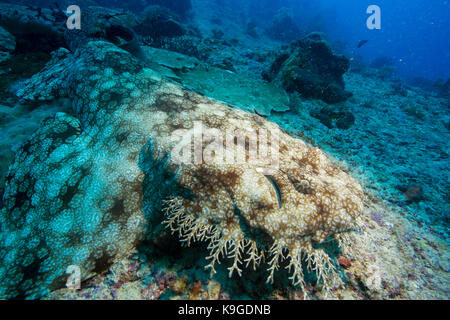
160, 23
334, 118
310, 67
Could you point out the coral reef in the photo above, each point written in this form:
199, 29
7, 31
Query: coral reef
103, 23
87, 185
310, 67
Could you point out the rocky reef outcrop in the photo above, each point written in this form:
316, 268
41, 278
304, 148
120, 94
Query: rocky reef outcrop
309, 66
88, 187
283, 27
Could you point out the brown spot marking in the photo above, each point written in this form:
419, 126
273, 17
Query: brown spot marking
258, 120
164, 103
62, 137
32, 271
283, 148
26, 147
231, 178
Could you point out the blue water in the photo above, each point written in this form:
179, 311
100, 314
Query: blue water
414, 33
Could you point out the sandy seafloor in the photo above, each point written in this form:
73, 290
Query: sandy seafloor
398, 141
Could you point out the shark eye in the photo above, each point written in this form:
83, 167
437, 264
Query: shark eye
302, 186
277, 189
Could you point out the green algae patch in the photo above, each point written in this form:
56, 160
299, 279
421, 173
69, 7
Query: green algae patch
235, 89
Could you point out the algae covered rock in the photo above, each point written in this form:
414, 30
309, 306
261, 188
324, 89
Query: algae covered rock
310, 67
87, 188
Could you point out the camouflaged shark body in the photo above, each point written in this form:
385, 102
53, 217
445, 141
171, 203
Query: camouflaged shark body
83, 190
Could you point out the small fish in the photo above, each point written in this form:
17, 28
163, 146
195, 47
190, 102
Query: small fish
362, 42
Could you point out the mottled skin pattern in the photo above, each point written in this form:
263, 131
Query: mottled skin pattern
82, 190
